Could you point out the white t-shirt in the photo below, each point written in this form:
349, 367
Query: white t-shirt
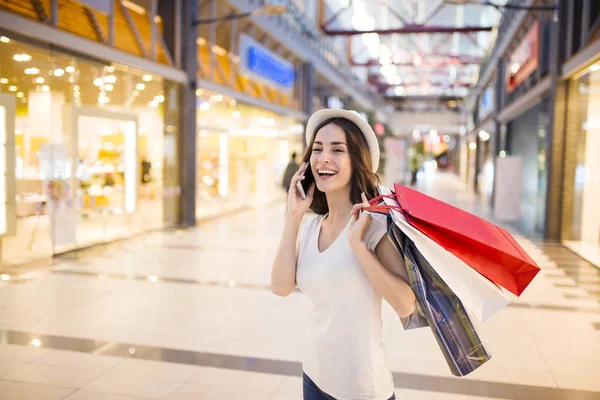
344, 356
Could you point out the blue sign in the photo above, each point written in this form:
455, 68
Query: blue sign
265, 65
486, 104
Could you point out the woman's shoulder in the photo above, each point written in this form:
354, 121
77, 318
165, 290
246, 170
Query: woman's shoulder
309, 223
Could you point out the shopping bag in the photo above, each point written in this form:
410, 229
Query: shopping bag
485, 247
415, 320
448, 319
480, 296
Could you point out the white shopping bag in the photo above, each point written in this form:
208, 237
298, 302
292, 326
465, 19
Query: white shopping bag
480, 296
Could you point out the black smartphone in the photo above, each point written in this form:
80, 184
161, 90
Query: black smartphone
304, 184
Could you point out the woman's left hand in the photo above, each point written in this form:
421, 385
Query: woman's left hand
360, 222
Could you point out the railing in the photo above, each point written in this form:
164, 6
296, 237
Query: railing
137, 32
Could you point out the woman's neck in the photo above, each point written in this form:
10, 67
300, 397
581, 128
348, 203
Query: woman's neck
339, 205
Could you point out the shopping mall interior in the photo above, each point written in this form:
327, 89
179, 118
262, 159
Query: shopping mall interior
146, 154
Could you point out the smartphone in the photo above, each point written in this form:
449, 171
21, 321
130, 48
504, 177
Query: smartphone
300, 188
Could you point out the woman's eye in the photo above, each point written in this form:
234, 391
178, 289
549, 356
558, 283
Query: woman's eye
338, 151
315, 150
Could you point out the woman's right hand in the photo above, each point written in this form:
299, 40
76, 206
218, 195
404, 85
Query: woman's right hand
297, 206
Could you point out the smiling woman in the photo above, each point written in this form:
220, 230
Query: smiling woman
340, 141
341, 259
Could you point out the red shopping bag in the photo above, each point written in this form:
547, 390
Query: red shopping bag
487, 248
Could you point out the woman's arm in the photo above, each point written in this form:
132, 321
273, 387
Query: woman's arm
385, 267
283, 273
387, 274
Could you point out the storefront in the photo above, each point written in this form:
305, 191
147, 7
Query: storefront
581, 214
486, 137
242, 152
90, 143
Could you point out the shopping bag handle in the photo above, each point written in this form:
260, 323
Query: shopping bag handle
376, 207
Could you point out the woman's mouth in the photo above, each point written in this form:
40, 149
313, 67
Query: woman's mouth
325, 174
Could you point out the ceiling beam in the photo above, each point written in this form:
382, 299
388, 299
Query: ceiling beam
453, 59
408, 29
434, 10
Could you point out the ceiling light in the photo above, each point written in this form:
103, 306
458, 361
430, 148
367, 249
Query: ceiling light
5, 277
433, 133
417, 60
108, 87
70, 69
147, 78
20, 95
110, 79
135, 93
98, 82
32, 71
416, 134
12, 88
216, 98
71, 79
22, 57
236, 114
472, 145
595, 67
153, 104
39, 79
36, 342
59, 72
204, 106
109, 69
103, 99
76, 88
159, 98
45, 88
233, 102
399, 91
140, 86
4, 81
219, 50
484, 136
4, 39
502, 154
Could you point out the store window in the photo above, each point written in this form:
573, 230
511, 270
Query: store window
89, 150
582, 176
242, 152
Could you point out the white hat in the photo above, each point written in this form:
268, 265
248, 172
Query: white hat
323, 115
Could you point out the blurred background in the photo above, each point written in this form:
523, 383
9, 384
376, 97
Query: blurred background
146, 142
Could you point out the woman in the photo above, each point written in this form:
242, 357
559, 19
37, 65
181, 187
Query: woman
342, 260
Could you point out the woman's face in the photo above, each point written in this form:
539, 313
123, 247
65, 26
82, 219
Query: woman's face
330, 159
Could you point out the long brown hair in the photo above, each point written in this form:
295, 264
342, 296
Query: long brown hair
363, 179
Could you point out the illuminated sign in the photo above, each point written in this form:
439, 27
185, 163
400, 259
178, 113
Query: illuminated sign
524, 60
265, 66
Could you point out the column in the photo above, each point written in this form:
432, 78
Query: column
556, 125
180, 37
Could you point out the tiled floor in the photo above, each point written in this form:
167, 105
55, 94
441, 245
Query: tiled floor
189, 315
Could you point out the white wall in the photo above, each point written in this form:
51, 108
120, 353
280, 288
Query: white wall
403, 123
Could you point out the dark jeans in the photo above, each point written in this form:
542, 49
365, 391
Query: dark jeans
312, 392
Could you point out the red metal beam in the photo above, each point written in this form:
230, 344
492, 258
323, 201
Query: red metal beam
373, 80
408, 29
449, 59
